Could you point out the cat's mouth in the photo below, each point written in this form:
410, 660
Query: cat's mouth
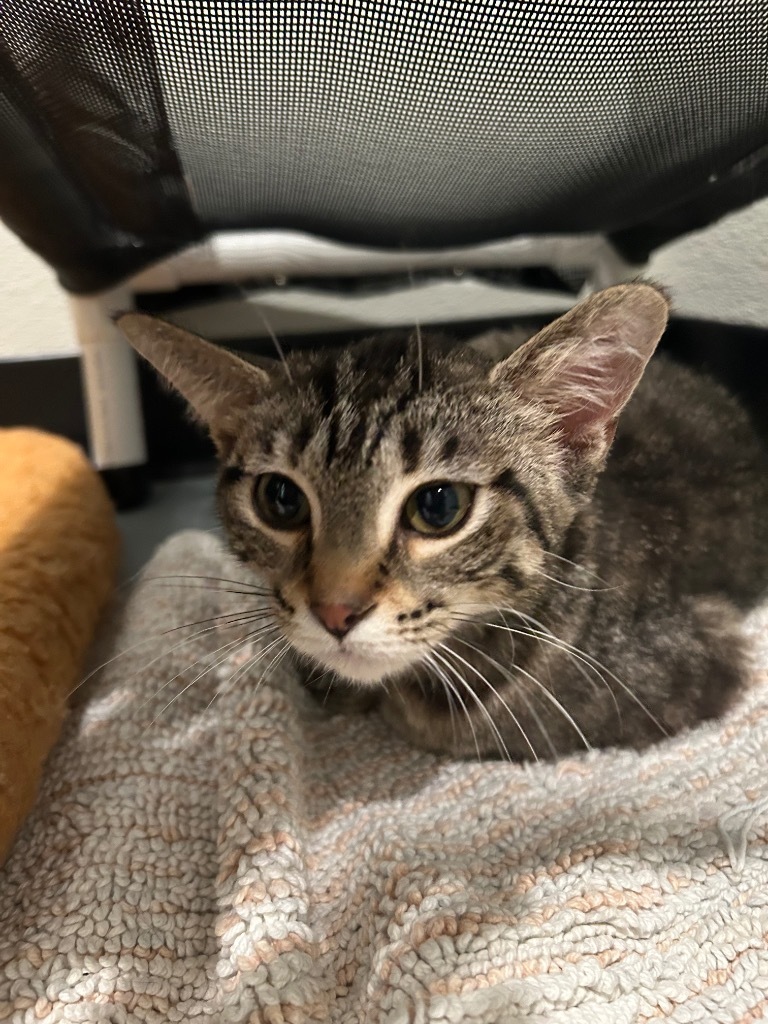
358, 662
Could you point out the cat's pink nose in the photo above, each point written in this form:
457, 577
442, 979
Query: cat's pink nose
338, 619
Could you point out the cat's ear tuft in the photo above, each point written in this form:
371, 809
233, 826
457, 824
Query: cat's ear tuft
584, 367
218, 385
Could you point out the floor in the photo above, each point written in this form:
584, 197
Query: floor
174, 505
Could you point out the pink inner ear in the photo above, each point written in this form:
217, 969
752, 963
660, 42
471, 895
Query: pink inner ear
590, 389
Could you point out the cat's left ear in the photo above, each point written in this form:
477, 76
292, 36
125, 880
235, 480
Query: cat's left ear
584, 367
219, 386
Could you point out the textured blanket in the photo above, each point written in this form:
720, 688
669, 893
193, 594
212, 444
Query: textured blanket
222, 848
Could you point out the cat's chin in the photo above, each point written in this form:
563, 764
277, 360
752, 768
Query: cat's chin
367, 669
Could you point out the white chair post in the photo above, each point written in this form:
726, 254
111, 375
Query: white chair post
111, 389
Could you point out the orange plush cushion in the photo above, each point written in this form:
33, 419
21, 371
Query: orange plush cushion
58, 558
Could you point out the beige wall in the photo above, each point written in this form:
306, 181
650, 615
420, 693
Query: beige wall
718, 274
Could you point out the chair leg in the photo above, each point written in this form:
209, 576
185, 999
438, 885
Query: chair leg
112, 399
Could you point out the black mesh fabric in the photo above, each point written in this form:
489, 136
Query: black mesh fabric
88, 173
391, 123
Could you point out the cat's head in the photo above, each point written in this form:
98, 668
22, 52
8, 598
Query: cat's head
392, 490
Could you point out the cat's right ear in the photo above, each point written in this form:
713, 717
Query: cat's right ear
584, 367
218, 385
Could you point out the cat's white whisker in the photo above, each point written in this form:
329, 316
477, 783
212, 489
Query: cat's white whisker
216, 590
202, 576
575, 661
452, 714
553, 699
333, 680
449, 688
417, 678
538, 720
419, 339
208, 669
248, 589
596, 664
230, 647
578, 658
510, 637
498, 696
498, 738
318, 676
449, 700
519, 690
274, 662
580, 568
276, 343
573, 586
227, 685
233, 618
548, 693
572, 653
167, 651
244, 669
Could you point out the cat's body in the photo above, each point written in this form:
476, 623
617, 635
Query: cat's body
444, 532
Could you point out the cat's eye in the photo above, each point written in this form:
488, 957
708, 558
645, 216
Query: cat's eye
437, 509
280, 502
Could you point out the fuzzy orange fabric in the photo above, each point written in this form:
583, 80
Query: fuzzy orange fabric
59, 548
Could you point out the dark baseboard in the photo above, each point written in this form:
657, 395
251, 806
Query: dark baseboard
129, 486
43, 393
47, 393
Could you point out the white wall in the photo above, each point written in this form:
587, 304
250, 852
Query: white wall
717, 274
720, 273
34, 319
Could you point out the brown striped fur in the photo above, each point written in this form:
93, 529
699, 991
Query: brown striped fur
590, 598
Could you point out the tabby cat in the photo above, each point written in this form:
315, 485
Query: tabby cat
466, 540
